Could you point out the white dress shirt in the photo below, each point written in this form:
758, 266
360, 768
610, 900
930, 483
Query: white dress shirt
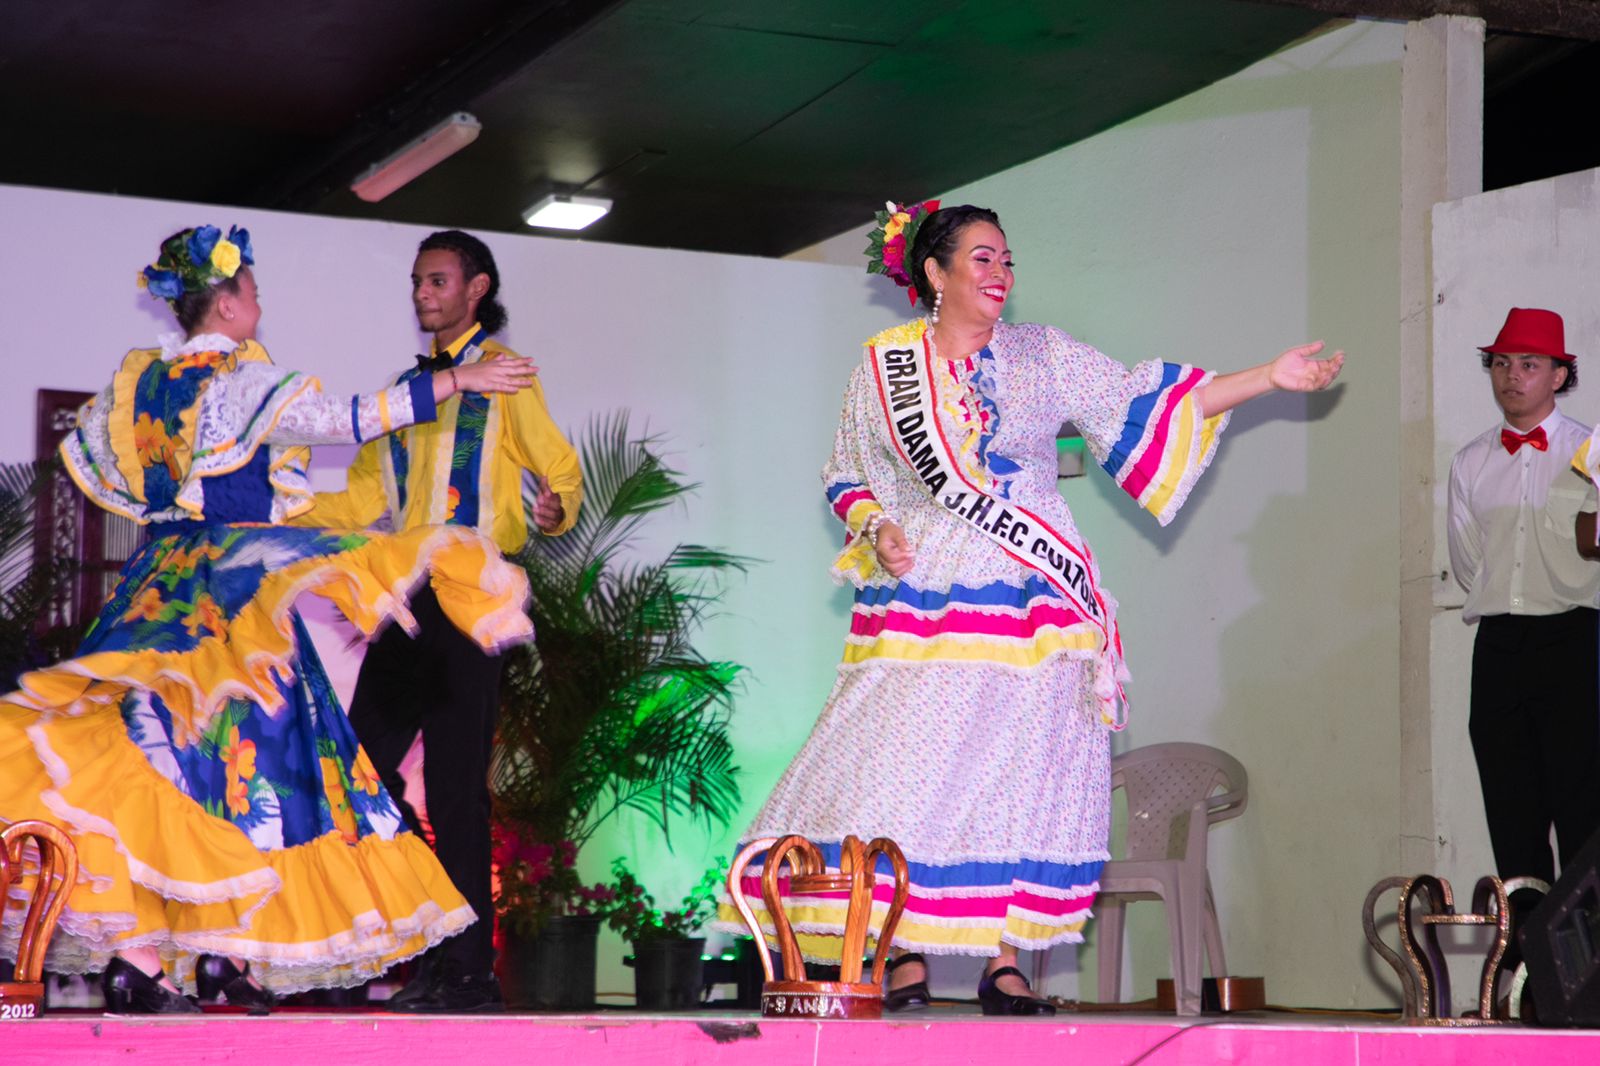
1511, 524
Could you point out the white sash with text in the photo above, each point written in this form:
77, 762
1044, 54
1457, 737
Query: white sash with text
904, 377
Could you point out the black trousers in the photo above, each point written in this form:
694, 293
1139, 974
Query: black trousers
1535, 729
443, 685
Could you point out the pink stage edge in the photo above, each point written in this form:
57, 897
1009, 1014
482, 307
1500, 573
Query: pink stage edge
739, 1039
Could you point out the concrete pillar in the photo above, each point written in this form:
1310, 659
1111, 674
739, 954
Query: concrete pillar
1441, 158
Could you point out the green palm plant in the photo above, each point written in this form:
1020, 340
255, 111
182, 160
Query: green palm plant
27, 584
613, 710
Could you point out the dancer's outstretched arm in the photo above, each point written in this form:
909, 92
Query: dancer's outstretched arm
1296, 370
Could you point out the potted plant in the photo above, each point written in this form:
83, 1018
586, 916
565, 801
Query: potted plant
613, 710
29, 584
666, 953
552, 916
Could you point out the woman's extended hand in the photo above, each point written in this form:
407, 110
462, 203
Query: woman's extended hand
494, 375
894, 553
1297, 371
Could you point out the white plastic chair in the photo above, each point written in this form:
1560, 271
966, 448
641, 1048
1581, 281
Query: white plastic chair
1173, 799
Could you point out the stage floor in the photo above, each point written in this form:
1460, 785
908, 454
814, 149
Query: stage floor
942, 1035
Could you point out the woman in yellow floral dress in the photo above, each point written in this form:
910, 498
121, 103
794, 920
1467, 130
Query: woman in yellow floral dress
194, 749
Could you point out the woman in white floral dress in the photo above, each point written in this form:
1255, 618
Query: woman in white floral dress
983, 664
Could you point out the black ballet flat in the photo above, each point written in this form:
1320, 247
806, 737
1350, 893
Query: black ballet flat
914, 996
218, 978
995, 1001
129, 990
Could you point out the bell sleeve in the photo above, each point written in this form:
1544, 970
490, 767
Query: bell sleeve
259, 404
844, 482
93, 454
1143, 426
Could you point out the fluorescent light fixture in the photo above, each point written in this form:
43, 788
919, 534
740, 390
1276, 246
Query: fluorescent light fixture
559, 211
418, 157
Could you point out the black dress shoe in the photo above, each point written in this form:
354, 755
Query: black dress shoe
914, 996
455, 993
129, 990
219, 979
995, 1001
421, 984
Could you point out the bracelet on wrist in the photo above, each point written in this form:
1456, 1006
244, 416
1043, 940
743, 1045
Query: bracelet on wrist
874, 523
455, 386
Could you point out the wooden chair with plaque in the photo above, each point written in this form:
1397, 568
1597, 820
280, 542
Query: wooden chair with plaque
57, 870
794, 996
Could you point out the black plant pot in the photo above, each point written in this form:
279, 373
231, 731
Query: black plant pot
553, 970
667, 973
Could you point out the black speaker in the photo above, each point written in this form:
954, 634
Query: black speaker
1560, 942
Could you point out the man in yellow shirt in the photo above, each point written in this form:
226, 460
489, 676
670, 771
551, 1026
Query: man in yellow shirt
465, 468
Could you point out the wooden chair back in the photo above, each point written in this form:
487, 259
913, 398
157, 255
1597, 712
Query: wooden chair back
56, 861
794, 995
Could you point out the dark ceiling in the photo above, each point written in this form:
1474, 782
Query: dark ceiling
755, 126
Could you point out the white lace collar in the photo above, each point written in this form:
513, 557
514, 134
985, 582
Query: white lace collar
173, 345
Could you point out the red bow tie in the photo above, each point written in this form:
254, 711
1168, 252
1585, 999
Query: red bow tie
1514, 440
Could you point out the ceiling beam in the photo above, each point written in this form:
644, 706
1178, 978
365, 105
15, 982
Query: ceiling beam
1573, 19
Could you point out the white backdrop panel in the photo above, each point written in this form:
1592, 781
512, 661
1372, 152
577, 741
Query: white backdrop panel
1534, 245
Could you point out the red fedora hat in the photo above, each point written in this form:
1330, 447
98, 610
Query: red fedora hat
1531, 331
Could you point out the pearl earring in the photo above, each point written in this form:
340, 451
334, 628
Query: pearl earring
938, 298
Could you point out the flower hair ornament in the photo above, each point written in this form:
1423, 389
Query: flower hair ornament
196, 259
892, 238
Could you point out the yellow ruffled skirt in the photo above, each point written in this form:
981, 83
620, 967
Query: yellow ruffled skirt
205, 770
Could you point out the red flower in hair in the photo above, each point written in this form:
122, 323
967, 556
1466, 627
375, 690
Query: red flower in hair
891, 241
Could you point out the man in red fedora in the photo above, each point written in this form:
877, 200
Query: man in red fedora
1514, 507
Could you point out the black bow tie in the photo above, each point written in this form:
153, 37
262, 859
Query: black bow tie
442, 361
